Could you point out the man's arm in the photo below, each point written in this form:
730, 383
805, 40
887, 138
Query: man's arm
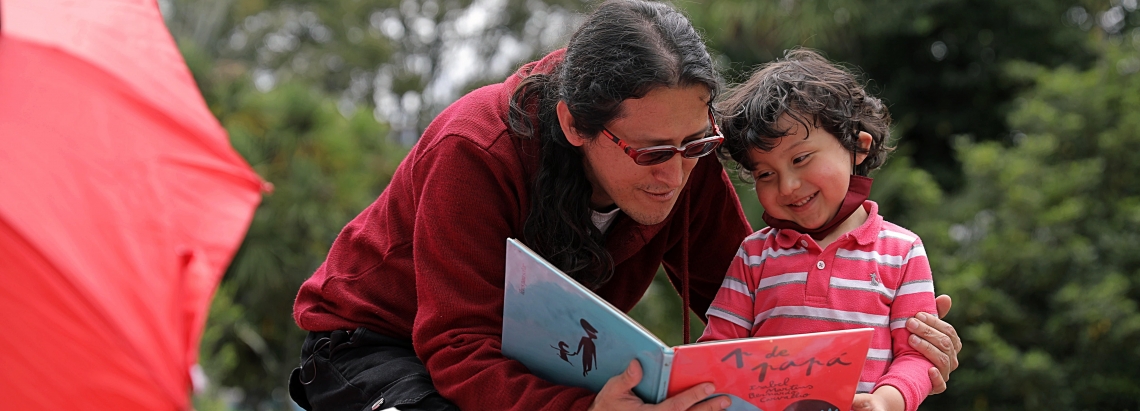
467, 204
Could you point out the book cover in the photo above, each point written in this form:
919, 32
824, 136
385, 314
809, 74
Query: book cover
568, 335
802, 372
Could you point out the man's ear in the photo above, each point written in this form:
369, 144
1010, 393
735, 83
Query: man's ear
865, 140
566, 122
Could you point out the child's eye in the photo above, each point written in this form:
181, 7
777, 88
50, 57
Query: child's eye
763, 175
801, 159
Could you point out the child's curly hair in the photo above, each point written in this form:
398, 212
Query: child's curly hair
811, 91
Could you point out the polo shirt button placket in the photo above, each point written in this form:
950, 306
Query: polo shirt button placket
818, 285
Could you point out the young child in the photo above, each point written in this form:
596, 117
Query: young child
808, 134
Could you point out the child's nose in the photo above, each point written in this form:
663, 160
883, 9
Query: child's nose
789, 183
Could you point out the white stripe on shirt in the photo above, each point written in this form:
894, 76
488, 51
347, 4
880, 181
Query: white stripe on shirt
738, 285
875, 354
917, 286
897, 235
775, 280
917, 251
898, 323
881, 259
730, 317
861, 285
759, 235
826, 314
755, 260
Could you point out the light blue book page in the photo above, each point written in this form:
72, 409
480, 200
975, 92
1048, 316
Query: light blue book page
568, 335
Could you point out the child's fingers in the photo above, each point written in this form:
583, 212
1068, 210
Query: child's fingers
862, 402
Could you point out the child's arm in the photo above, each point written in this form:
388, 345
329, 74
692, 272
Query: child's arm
907, 378
731, 313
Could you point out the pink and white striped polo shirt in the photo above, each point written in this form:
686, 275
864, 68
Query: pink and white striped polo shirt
875, 276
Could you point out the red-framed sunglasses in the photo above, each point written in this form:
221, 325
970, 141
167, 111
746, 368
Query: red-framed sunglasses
659, 154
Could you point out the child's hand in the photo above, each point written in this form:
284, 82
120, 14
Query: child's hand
867, 402
886, 398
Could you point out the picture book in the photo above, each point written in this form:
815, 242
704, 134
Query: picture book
568, 335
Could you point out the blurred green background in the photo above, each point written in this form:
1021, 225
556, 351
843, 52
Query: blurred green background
1018, 124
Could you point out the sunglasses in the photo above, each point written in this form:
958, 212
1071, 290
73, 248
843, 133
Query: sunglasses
659, 154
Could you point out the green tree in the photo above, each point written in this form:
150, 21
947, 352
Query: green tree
1040, 248
937, 63
405, 59
325, 168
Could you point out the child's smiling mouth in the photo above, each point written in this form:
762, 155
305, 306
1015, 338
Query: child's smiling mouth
804, 201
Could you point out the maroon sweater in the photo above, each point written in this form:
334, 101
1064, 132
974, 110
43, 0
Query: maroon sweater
425, 262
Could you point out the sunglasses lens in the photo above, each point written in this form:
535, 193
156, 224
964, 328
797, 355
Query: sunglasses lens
654, 157
700, 150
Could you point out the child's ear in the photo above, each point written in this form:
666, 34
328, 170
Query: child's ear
566, 122
865, 140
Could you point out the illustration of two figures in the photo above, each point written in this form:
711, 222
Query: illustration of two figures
585, 347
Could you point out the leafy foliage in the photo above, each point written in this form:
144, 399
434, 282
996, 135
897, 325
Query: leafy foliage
937, 63
1039, 249
405, 59
325, 168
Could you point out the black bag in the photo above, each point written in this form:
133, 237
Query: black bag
362, 370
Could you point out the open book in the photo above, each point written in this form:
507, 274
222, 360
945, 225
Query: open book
568, 335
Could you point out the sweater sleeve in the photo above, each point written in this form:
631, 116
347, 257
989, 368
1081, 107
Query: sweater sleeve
466, 203
915, 293
716, 225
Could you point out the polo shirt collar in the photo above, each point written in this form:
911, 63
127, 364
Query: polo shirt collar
865, 234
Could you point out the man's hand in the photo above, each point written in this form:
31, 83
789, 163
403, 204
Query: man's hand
937, 341
617, 394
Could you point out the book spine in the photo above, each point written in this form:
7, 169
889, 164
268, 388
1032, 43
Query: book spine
666, 371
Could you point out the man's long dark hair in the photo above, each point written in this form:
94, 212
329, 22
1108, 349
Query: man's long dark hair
623, 50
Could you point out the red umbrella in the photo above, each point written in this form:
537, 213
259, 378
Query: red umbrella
121, 204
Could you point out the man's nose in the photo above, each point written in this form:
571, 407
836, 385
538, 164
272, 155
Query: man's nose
672, 172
